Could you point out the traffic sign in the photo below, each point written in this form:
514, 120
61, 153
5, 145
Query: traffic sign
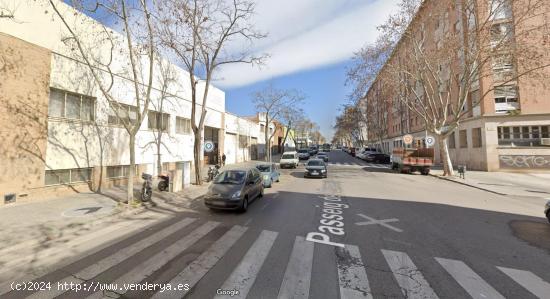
430, 140
408, 139
208, 146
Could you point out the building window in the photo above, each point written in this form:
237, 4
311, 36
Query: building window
68, 176
158, 121
501, 34
506, 99
452, 140
126, 114
262, 128
183, 125
476, 138
523, 135
119, 171
463, 138
500, 9
71, 105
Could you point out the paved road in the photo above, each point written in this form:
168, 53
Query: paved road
364, 232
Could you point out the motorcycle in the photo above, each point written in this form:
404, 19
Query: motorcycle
164, 182
147, 187
213, 171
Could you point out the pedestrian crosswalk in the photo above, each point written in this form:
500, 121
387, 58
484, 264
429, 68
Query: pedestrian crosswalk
349, 264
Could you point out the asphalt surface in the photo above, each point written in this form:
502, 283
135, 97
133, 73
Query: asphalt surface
401, 236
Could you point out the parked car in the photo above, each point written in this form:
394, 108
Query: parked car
234, 189
316, 168
289, 159
323, 156
313, 151
547, 210
269, 173
303, 154
378, 158
361, 154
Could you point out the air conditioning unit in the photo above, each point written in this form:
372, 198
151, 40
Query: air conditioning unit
545, 141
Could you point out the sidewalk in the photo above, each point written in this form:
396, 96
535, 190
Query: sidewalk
38, 235
503, 183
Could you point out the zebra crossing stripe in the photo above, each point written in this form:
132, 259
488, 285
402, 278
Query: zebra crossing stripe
244, 275
410, 280
112, 260
472, 283
352, 276
298, 270
529, 281
206, 261
155, 262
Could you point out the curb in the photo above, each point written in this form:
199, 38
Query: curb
465, 184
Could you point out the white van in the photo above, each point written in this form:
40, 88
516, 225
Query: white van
289, 159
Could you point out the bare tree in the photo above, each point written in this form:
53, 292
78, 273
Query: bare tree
290, 117
134, 48
347, 125
436, 75
166, 77
272, 103
198, 33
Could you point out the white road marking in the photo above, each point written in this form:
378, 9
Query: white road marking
529, 281
298, 271
244, 275
410, 280
468, 279
206, 261
155, 262
382, 222
352, 276
112, 260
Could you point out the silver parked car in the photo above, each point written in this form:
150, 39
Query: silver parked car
234, 189
269, 173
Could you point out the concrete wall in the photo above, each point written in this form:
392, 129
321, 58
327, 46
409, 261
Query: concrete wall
24, 89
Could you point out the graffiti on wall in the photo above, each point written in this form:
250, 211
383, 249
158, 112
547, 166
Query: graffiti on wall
524, 161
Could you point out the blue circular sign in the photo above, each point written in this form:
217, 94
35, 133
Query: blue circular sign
208, 146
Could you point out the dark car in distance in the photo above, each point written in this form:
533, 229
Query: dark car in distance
323, 156
234, 189
378, 158
316, 168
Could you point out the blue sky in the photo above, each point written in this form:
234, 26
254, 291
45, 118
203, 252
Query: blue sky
324, 88
310, 45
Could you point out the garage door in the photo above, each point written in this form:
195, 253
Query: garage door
230, 148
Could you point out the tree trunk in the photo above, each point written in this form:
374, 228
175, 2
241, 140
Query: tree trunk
286, 135
266, 138
131, 172
446, 158
197, 157
159, 159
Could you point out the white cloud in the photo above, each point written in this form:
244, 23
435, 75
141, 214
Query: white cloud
306, 35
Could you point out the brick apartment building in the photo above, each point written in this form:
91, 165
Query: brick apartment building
508, 129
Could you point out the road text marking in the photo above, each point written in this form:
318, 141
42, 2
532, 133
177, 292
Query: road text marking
382, 222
